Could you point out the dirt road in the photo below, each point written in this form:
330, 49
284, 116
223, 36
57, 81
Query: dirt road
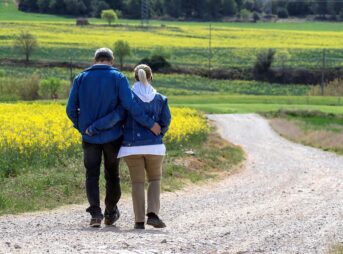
288, 199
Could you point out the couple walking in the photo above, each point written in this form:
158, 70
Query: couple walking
118, 122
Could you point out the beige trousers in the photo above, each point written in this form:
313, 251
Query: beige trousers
138, 165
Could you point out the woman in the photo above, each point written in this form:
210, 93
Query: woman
142, 150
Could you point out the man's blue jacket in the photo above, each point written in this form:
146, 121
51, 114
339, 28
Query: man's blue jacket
97, 92
134, 133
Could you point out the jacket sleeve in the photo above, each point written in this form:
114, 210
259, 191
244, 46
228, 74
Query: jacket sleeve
108, 121
165, 118
128, 102
73, 103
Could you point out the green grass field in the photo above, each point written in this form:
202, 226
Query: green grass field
9, 12
252, 104
234, 44
229, 104
176, 84
311, 128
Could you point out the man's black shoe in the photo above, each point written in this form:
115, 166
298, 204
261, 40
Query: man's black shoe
111, 218
139, 225
155, 221
95, 222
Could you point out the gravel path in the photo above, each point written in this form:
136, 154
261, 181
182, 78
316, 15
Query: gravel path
289, 199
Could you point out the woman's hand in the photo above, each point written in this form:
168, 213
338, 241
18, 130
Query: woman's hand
156, 129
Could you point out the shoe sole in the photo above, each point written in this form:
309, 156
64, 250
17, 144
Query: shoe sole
156, 226
109, 222
97, 225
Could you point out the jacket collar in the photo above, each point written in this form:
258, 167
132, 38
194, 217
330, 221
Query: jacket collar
101, 67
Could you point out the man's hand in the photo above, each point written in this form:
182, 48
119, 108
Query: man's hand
88, 133
156, 129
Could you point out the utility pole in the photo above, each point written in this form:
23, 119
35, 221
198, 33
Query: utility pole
145, 12
210, 51
322, 83
71, 75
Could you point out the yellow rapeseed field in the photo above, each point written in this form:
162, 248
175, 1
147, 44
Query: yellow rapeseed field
183, 36
29, 128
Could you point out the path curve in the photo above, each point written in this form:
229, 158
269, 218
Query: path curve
289, 199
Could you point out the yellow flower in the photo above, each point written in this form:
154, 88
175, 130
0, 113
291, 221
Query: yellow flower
45, 128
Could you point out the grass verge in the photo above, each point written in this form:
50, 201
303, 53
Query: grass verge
313, 128
202, 158
337, 250
228, 104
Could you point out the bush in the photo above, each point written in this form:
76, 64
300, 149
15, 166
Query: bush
29, 89
333, 88
2, 73
282, 13
161, 51
82, 22
64, 91
156, 63
264, 61
282, 56
12, 89
49, 88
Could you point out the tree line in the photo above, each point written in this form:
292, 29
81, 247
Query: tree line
190, 9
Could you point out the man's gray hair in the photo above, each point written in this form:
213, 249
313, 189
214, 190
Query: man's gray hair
103, 54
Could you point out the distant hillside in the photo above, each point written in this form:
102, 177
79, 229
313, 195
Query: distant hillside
193, 9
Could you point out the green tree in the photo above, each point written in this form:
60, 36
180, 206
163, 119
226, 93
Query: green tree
264, 61
43, 5
26, 43
321, 8
229, 7
75, 7
109, 15
249, 5
121, 50
256, 17
200, 9
282, 13
213, 9
244, 15
161, 51
173, 8
98, 6
335, 7
134, 9
28, 5
296, 8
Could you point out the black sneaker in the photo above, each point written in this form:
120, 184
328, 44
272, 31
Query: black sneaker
155, 221
139, 225
95, 222
111, 218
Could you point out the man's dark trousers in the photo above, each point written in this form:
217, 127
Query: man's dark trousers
92, 160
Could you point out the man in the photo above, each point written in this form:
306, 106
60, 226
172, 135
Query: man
96, 92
